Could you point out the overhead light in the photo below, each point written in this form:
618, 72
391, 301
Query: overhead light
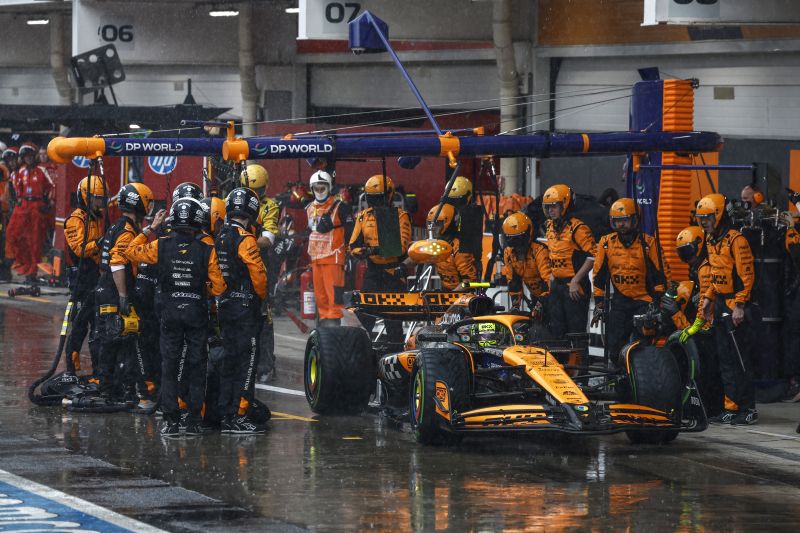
223, 13
37, 22
134, 127
292, 10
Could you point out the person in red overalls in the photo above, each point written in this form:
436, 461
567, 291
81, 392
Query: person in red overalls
7, 195
28, 225
331, 222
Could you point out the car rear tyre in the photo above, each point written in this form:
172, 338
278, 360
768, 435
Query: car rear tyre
432, 366
655, 381
339, 370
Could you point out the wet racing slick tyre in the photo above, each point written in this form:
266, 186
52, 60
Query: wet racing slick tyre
655, 381
431, 367
339, 370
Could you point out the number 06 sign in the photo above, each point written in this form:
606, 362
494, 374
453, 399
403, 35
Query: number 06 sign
326, 19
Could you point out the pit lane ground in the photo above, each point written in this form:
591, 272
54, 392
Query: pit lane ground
362, 472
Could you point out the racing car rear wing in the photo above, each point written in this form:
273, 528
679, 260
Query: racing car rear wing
405, 305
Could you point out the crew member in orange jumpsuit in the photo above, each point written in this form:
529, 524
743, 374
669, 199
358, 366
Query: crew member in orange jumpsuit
82, 231
385, 269
525, 261
459, 267
572, 249
691, 248
28, 225
631, 262
331, 223
732, 278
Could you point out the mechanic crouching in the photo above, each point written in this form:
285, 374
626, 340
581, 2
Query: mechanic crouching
524, 261
572, 249
185, 265
727, 302
632, 262
382, 235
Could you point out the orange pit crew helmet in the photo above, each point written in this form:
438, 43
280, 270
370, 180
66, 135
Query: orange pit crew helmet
622, 210
711, 206
379, 190
689, 243
94, 187
517, 228
215, 214
444, 221
557, 194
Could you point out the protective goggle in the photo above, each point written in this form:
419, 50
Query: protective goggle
687, 252
374, 199
707, 216
619, 221
517, 241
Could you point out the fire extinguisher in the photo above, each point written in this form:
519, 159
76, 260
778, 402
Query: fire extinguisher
308, 304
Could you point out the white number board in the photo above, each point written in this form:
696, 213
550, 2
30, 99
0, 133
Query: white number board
327, 19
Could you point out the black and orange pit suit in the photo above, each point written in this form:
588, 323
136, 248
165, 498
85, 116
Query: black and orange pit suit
240, 318
533, 270
82, 233
732, 277
635, 271
569, 242
384, 274
187, 272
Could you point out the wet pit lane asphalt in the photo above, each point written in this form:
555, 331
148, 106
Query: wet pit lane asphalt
366, 473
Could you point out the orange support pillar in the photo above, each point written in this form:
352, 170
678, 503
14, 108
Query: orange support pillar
675, 192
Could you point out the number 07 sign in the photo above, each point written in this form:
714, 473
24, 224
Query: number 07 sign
326, 19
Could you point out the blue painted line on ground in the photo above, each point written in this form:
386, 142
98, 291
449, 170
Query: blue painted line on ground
29, 506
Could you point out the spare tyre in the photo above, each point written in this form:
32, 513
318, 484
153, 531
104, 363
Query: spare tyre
339, 370
655, 381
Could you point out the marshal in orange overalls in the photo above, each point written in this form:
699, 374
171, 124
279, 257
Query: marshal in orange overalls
326, 247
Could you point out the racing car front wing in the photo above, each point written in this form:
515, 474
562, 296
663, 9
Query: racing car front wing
569, 418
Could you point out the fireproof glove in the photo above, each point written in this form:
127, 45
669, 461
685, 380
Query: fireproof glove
124, 305
669, 305
691, 330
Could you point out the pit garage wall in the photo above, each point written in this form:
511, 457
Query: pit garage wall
591, 175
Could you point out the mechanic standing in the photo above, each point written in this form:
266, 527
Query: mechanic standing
83, 234
791, 320
726, 301
330, 222
256, 178
525, 261
239, 309
683, 308
631, 262
185, 266
470, 220
382, 235
458, 267
572, 249
117, 370
28, 225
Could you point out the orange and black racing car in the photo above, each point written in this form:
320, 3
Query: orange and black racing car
471, 369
